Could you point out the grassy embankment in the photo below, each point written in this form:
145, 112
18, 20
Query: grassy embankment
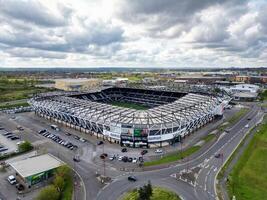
234, 119
158, 194
248, 177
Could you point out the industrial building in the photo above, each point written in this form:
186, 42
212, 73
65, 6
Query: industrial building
77, 84
35, 169
167, 117
243, 92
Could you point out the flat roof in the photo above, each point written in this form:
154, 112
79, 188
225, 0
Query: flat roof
35, 165
74, 80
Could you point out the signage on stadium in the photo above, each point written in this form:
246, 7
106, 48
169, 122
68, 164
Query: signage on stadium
112, 135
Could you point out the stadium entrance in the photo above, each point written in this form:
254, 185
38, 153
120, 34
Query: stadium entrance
135, 138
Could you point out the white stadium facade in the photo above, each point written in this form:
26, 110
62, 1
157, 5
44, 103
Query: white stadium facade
169, 116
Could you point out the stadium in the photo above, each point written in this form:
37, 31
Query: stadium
132, 117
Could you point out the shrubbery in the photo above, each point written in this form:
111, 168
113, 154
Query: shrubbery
62, 186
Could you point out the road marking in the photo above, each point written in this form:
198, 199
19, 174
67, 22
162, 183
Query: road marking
174, 175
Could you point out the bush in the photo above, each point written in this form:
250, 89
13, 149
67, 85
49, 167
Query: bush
59, 183
50, 192
25, 146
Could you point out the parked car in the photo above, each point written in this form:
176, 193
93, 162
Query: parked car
20, 128
12, 180
42, 131
103, 155
100, 142
68, 134
112, 157
247, 126
132, 178
14, 138
144, 152
3, 149
123, 150
158, 151
120, 158
76, 137
82, 140
124, 159
134, 160
130, 159
7, 134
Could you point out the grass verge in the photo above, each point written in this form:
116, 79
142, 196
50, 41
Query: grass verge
158, 194
248, 177
173, 156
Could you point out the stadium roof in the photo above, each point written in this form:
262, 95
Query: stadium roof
186, 107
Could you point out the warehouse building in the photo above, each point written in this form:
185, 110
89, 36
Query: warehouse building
36, 169
77, 84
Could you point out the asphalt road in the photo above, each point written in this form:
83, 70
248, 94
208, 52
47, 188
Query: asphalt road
204, 188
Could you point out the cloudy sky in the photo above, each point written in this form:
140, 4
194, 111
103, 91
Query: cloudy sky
135, 33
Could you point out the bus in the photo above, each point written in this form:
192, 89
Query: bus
55, 127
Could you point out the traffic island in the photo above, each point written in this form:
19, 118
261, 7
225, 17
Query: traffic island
158, 193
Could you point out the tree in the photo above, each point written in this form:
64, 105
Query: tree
145, 192
64, 171
149, 189
50, 192
59, 183
25, 146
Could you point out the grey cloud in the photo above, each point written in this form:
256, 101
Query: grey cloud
94, 39
34, 12
163, 14
30, 53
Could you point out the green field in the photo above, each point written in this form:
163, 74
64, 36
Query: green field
129, 105
158, 194
248, 179
17, 89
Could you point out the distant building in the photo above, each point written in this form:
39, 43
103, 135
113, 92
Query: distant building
244, 88
243, 92
115, 82
77, 84
242, 79
36, 169
251, 79
245, 96
258, 79
200, 79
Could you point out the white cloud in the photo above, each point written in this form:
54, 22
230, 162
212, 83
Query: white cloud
133, 33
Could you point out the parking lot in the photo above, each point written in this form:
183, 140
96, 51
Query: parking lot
87, 147
8, 142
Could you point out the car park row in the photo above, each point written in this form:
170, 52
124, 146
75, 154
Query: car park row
58, 139
8, 135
